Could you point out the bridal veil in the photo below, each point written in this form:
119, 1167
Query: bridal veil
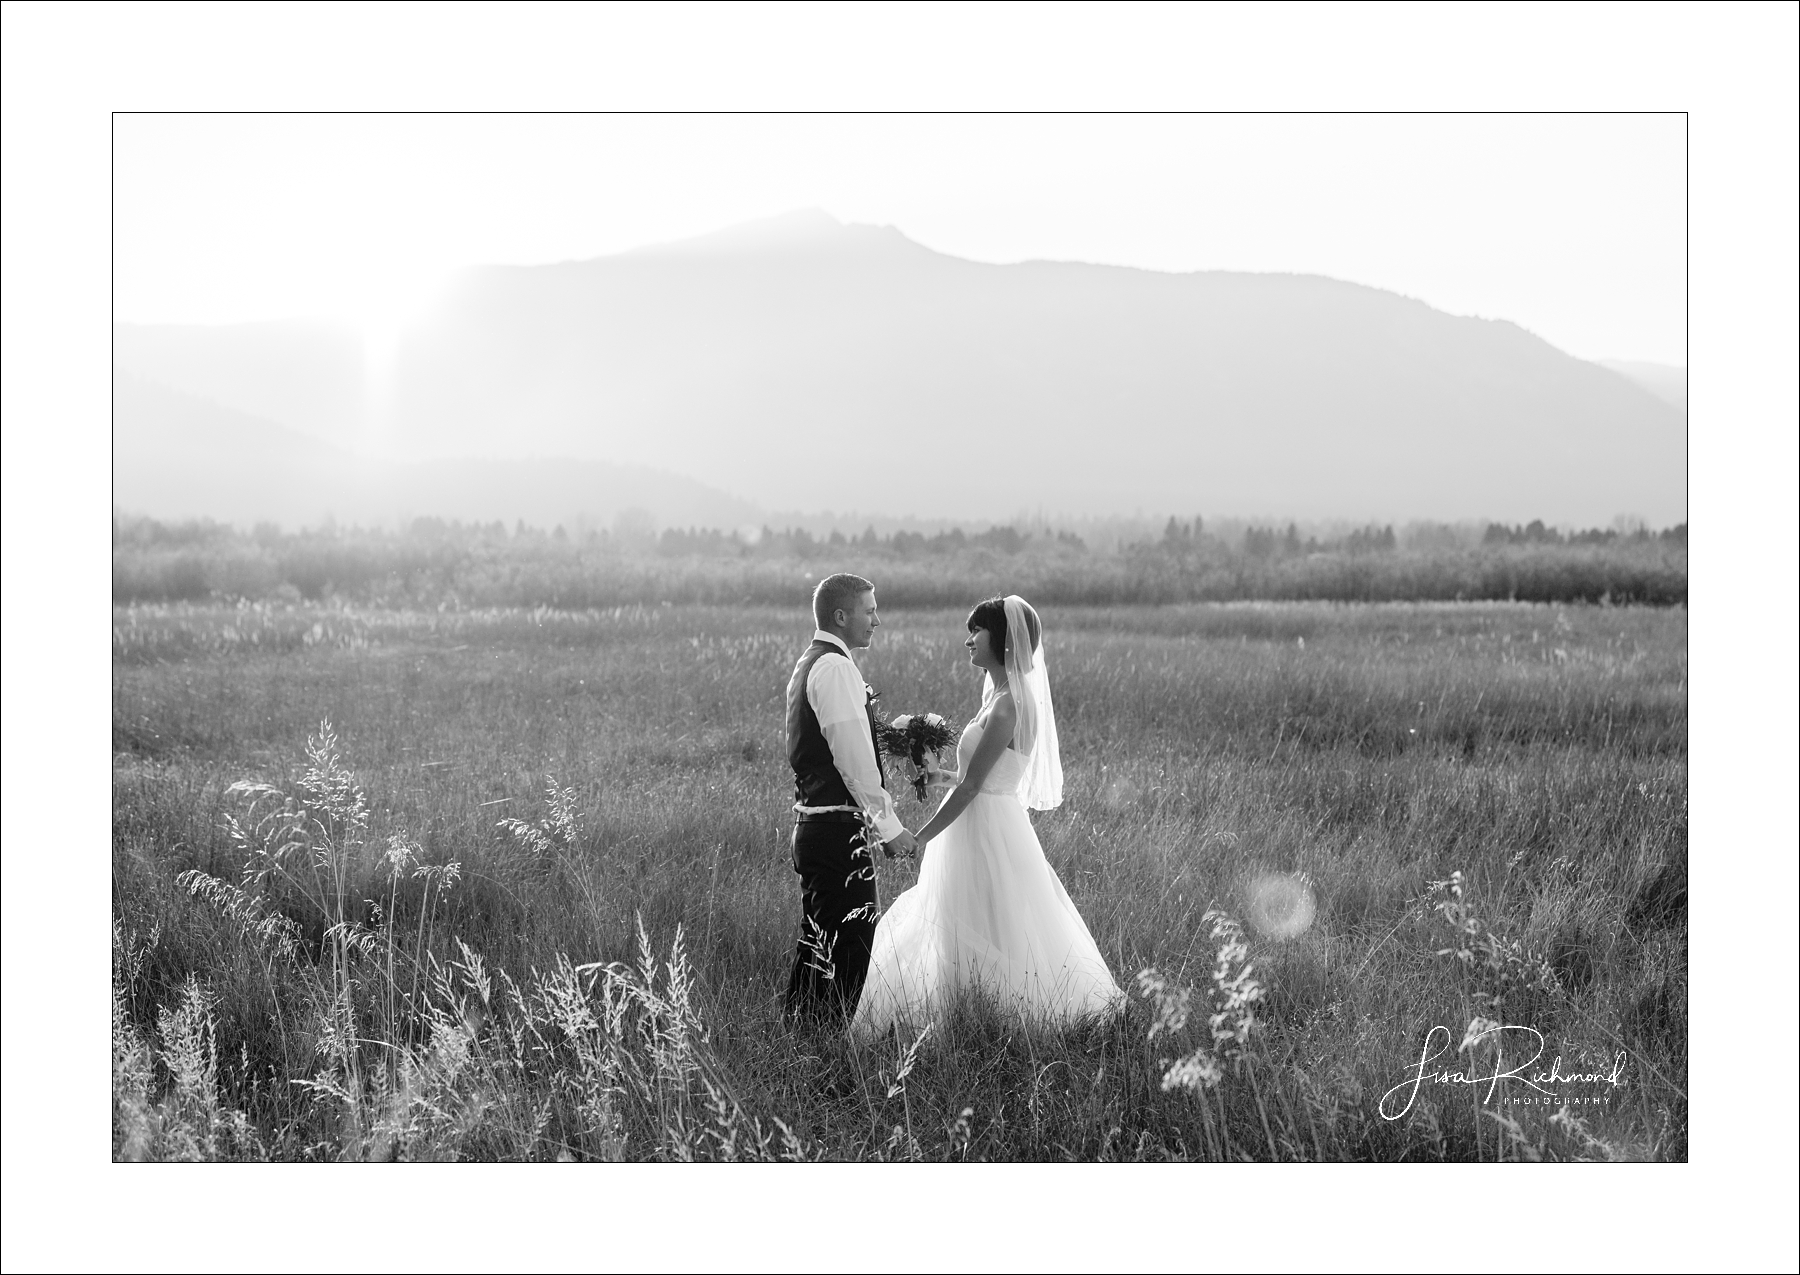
1029, 681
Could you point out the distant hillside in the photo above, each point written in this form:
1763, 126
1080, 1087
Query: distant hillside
944, 386
307, 376
803, 364
1666, 382
176, 456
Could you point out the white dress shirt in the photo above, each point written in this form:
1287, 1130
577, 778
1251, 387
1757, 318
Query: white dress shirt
839, 698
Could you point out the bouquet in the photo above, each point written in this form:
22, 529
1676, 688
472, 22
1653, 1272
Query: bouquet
914, 735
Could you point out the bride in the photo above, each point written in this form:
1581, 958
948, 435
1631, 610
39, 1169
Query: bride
988, 912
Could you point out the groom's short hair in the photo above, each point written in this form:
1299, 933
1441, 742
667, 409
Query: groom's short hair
837, 593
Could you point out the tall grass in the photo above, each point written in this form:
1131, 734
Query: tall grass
528, 896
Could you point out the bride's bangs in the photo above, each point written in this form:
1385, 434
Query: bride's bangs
990, 614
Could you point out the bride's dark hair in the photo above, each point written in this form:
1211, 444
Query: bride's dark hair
991, 615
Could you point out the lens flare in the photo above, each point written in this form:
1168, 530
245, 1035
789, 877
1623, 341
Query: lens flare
1117, 793
1282, 904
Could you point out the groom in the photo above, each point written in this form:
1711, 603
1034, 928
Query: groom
837, 780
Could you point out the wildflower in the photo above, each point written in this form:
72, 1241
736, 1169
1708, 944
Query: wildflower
1234, 995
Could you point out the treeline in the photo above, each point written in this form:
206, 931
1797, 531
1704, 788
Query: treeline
795, 542
1271, 542
433, 564
1536, 533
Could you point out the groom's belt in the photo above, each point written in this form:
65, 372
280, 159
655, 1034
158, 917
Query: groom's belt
827, 814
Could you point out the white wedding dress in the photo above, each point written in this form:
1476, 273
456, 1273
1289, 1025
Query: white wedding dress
988, 912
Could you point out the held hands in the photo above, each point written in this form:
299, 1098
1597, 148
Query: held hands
903, 845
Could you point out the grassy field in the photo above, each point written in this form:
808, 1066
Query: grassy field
297, 975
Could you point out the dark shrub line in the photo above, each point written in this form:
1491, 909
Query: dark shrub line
446, 564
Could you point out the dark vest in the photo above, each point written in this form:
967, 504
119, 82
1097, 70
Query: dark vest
816, 778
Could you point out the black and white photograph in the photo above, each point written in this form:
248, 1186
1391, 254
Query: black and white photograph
922, 634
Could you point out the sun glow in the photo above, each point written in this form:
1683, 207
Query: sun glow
382, 314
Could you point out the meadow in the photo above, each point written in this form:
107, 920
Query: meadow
398, 882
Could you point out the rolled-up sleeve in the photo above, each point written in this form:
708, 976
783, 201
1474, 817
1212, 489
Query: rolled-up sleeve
839, 698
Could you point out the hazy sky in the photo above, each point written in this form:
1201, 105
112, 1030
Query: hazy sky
1573, 226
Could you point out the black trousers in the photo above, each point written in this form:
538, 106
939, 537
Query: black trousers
837, 927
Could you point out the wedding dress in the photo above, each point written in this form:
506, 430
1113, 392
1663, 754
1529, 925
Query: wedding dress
988, 912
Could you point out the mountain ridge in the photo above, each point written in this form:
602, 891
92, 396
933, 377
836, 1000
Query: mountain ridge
1664, 380
731, 358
